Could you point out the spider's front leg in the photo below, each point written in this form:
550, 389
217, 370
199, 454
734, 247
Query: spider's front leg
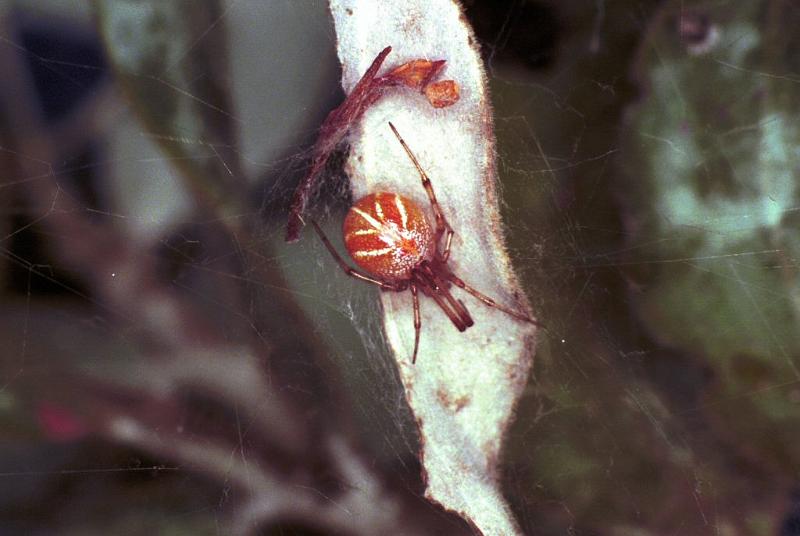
489, 301
417, 322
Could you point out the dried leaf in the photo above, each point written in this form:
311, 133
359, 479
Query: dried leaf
333, 129
464, 386
442, 94
415, 74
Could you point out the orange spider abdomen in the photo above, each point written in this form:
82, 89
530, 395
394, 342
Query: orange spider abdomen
387, 235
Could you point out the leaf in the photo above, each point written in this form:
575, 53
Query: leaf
464, 386
415, 74
712, 196
171, 58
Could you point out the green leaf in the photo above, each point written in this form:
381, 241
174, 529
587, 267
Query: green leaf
712, 194
171, 58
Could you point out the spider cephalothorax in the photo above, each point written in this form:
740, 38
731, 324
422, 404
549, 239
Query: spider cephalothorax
390, 238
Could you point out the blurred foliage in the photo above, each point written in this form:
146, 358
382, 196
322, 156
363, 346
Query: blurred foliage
172, 61
712, 160
171, 57
634, 424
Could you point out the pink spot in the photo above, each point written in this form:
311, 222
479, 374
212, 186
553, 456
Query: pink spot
60, 424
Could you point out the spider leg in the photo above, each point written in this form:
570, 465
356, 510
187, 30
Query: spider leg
448, 241
434, 294
417, 322
457, 314
458, 306
442, 225
352, 272
490, 302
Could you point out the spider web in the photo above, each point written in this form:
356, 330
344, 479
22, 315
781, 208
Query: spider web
612, 425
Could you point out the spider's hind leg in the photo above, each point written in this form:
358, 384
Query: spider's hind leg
442, 225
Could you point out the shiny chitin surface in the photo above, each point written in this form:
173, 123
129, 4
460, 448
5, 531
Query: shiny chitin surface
388, 235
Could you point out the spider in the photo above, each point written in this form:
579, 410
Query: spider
389, 237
